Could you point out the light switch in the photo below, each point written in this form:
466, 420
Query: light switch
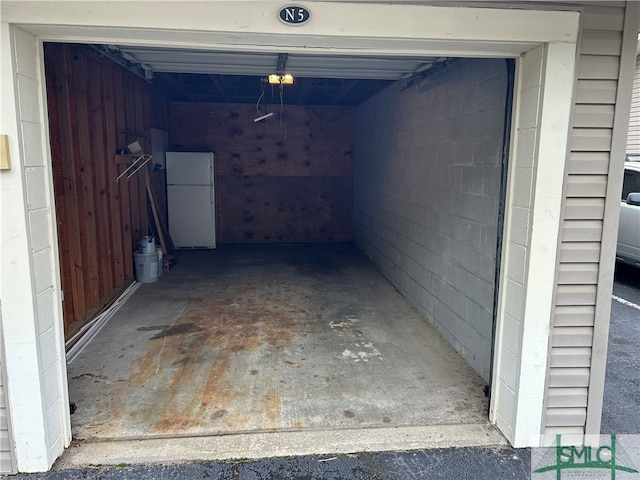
5, 161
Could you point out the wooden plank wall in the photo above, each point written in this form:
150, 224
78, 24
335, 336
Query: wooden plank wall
288, 181
92, 104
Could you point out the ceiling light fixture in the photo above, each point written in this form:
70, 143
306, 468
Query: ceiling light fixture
276, 79
281, 78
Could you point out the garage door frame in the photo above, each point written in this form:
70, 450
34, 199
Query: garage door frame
543, 41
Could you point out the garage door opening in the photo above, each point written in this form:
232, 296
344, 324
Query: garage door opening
400, 183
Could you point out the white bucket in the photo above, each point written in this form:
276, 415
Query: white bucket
146, 266
147, 245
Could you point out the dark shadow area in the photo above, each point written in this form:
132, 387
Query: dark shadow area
627, 275
622, 383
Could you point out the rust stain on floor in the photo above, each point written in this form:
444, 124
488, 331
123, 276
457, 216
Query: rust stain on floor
190, 370
240, 342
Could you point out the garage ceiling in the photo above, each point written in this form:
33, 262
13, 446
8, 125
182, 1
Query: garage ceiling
237, 77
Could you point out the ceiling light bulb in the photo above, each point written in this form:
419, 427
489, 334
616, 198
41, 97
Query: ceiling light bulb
281, 79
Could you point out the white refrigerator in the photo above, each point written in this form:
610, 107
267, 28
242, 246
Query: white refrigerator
191, 199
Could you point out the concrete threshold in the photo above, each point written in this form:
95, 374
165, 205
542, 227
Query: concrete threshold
279, 444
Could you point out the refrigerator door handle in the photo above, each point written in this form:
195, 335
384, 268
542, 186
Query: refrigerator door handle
212, 190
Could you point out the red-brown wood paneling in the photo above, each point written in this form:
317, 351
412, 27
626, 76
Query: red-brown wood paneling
95, 109
285, 179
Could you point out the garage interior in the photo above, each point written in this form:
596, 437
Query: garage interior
260, 338
354, 280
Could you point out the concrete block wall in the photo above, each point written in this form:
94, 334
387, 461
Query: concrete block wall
426, 194
34, 349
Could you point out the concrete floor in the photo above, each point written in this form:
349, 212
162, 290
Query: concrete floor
266, 339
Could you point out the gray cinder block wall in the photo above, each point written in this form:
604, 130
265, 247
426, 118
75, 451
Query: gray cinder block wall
426, 194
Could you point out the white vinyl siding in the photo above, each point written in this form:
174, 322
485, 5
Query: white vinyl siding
7, 460
572, 334
6, 452
567, 397
633, 140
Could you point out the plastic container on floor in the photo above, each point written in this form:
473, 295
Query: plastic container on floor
146, 267
147, 245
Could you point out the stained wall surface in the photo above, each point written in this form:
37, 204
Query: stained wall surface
284, 179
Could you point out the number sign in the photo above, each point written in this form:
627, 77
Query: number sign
294, 15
